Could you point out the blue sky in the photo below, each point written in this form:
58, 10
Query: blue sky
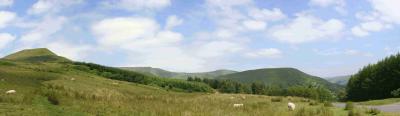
321, 37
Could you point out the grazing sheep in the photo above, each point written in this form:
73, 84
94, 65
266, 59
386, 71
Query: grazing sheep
243, 97
232, 97
291, 106
11, 92
237, 105
72, 79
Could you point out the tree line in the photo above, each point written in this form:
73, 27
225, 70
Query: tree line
309, 90
130, 76
376, 81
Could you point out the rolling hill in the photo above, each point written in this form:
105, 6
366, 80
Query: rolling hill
178, 75
282, 77
36, 55
341, 80
46, 87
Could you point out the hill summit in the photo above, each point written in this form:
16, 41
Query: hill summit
283, 77
36, 55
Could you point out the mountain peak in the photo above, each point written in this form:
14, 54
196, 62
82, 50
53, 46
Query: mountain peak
36, 55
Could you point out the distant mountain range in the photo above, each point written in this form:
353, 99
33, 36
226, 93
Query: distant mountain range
341, 80
280, 77
179, 75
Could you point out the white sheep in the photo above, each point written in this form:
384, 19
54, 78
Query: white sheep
291, 106
237, 105
11, 92
72, 79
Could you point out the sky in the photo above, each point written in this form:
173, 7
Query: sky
325, 38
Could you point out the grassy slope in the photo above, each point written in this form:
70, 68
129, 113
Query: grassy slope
179, 75
39, 85
54, 88
278, 76
381, 102
35, 55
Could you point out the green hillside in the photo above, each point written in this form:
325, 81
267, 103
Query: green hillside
36, 55
376, 81
341, 80
281, 77
74, 88
178, 75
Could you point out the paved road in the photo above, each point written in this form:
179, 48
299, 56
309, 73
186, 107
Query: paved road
385, 108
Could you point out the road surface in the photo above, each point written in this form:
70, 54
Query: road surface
385, 108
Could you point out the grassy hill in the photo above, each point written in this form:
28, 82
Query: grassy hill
341, 80
49, 88
179, 75
36, 55
282, 77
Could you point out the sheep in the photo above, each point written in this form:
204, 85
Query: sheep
291, 106
237, 105
11, 92
72, 79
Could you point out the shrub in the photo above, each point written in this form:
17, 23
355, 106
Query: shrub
313, 103
328, 104
349, 106
373, 111
278, 99
354, 113
396, 93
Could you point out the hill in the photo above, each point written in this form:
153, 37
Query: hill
281, 77
74, 88
341, 80
178, 75
36, 55
376, 81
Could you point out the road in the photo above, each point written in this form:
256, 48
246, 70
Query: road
385, 108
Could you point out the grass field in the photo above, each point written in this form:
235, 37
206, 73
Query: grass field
56, 89
380, 102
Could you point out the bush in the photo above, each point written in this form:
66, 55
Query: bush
396, 93
313, 103
373, 111
276, 99
349, 106
354, 113
328, 104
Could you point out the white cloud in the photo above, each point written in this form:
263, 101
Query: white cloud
170, 58
230, 3
307, 28
383, 16
357, 31
337, 52
137, 5
6, 3
6, 17
124, 30
218, 48
326, 3
5, 39
265, 53
172, 22
51, 6
74, 52
42, 30
255, 25
389, 9
147, 43
372, 26
267, 15
352, 52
